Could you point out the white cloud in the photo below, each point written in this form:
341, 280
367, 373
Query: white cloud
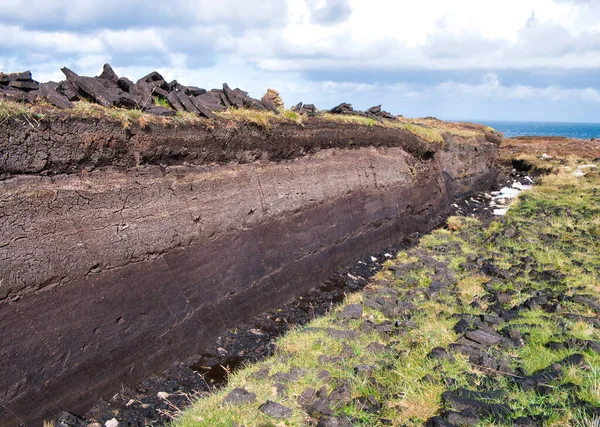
278, 43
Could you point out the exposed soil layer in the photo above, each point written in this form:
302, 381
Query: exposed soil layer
74, 144
111, 274
141, 405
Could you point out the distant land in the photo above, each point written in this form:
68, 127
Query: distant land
518, 128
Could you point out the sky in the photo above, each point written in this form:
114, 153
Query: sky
461, 59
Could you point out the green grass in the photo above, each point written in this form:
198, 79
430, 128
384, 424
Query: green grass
10, 110
432, 131
563, 205
160, 101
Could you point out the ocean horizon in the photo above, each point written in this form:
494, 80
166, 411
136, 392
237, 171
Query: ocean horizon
524, 128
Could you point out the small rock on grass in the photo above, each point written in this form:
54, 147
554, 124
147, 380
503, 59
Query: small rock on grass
440, 353
463, 418
352, 311
275, 410
377, 348
335, 422
239, 395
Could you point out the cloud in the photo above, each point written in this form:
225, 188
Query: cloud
332, 12
91, 15
417, 56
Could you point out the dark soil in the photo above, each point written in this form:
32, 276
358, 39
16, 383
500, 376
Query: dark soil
154, 399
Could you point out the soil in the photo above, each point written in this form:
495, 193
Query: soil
153, 400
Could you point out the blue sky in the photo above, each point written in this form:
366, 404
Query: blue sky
460, 59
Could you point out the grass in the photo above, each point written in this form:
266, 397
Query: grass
561, 205
433, 131
10, 110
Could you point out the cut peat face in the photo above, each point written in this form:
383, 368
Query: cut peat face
124, 250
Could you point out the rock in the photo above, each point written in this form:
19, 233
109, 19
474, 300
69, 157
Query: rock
540, 378
69, 420
293, 375
587, 301
173, 85
193, 91
23, 85
364, 370
377, 348
324, 360
342, 108
203, 108
92, 88
186, 102
233, 97
254, 104
478, 407
108, 74
525, 422
367, 404
275, 410
352, 311
211, 101
49, 92
5, 79
491, 270
307, 397
484, 338
111, 423
438, 422
319, 408
335, 422
463, 418
157, 90
375, 110
340, 395
175, 102
239, 396
270, 106
67, 89
154, 76
428, 379
347, 352
126, 85
440, 353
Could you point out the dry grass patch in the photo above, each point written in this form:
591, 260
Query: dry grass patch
471, 286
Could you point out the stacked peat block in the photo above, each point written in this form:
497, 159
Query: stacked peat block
308, 109
374, 112
110, 90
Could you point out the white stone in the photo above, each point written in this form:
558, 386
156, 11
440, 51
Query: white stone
578, 173
373, 259
111, 423
545, 156
500, 212
511, 193
586, 167
387, 255
521, 187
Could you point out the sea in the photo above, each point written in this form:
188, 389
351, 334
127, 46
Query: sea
571, 130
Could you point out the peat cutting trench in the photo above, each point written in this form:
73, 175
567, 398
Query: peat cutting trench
124, 250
